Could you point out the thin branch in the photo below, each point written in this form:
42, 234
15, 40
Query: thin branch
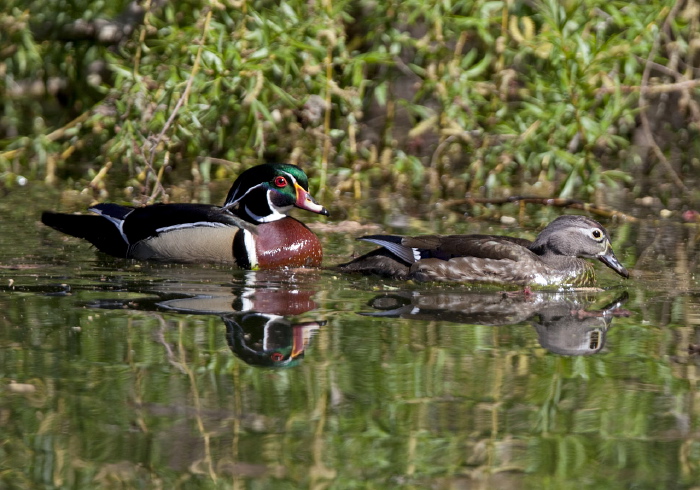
646, 126
325, 156
182, 100
661, 68
99, 178
653, 89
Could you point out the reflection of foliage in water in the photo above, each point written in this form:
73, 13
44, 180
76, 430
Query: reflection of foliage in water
449, 94
424, 402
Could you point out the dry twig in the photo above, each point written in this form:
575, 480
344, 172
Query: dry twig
546, 201
652, 89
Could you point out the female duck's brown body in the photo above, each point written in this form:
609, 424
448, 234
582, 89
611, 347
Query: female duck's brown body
556, 257
252, 229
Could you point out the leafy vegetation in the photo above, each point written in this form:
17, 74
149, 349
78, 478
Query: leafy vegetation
434, 98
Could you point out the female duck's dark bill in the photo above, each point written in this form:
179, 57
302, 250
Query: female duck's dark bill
306, 201
611, 261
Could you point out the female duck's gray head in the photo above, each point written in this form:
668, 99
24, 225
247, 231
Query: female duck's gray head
578, 236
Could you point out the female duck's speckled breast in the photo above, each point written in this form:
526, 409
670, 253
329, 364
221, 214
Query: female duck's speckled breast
583, 277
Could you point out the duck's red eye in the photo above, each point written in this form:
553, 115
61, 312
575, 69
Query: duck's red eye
280, 181
276, 356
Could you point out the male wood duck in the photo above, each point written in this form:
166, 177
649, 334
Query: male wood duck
554, 258
251, 230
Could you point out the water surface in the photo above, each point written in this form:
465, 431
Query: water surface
134, 375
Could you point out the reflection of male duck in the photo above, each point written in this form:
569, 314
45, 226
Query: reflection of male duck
255, 313
268, 340
563, 323
257, 329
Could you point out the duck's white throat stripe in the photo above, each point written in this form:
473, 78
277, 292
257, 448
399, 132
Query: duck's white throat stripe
249, 241
274, 216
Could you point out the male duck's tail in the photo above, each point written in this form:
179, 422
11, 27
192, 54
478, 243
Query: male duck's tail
102, 233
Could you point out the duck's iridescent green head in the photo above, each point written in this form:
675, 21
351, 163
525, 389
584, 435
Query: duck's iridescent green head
268, 192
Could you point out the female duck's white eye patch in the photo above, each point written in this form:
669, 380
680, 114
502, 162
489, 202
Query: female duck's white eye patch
592, 233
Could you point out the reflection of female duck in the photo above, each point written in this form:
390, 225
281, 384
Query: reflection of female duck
554, 258
577, 332
562, 323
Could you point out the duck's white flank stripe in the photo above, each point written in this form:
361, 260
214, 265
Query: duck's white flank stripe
249, 241
208, 224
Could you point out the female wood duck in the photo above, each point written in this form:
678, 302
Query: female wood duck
251, 230
552, 259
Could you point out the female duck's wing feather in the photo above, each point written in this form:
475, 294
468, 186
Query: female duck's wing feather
480, 246
446, 247
474, 258
419, 257
517, 270
394, 244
